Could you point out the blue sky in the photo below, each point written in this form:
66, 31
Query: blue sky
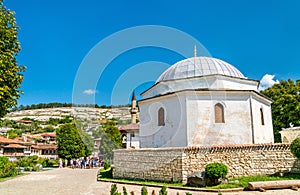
257, 37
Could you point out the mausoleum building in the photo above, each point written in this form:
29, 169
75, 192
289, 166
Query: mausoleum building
204, 101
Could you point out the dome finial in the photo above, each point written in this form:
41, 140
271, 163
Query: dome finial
195, 51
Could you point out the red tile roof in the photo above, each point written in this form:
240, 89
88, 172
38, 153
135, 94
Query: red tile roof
14, 146
238, 146
45, 146
25, 121
132, 126
48, 135
6, 140
22, 139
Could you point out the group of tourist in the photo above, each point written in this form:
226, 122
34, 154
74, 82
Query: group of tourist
83, 163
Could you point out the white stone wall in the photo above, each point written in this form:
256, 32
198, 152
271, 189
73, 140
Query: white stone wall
133, 142
201, 119
173, 133
262, 133
289, 134
190, 119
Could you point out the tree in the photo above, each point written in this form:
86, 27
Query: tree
111, 138
295, 147
88, 142
69, 142
10, 72
286, 105
12, 134
48, 128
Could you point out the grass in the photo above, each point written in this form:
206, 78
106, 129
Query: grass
242, 181
10, 177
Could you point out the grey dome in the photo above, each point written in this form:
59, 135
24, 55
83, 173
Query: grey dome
199, 66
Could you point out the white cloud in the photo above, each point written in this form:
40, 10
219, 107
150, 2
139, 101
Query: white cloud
89, 92
267, 81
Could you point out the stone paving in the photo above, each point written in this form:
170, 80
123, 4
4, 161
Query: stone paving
83, 182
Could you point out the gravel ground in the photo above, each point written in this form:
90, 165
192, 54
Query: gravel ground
83, 182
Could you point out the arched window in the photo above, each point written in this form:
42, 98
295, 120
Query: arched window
161, 117
219, 113
262, 116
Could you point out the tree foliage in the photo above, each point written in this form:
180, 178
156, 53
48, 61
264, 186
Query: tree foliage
69, 142
7, 168
286, 105
144, 190
114, 190
88, 142
111, 138
295, 147
10, 72
13, 133
163, 191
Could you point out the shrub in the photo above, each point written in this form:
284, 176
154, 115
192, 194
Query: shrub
106, 165
295, 147
144, 191
106, 173
216, 170
7, 168
43, 162
29, 161
114, 190
32, 161
23, 162
163, 191
35, 168
124, 191
53, 163
28, 168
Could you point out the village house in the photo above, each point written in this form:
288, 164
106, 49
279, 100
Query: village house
24, 146
130, 132
49, 138
289, 134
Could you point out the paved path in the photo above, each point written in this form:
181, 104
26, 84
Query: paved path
83, 182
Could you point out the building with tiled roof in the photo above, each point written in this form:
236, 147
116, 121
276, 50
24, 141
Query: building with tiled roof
23, 146
130, 132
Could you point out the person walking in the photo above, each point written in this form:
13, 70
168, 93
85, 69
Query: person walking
71, 163
82, 163
60, 163
74, 163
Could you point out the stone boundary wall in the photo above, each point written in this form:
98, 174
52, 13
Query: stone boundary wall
149, 164
242, 160
175, 164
